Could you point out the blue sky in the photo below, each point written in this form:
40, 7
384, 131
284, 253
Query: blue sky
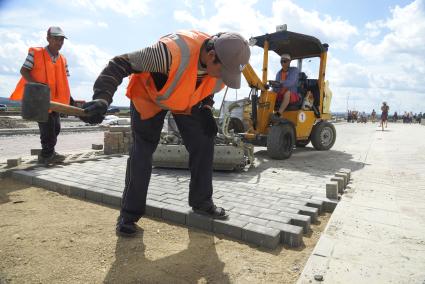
377, 48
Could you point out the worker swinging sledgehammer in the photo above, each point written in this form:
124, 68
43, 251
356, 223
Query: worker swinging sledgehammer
179, 73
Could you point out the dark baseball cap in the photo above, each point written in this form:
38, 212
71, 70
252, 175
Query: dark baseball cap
56, 31
233, 51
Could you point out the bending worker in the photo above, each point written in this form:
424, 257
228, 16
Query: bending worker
47, 66
288, 78
179, 73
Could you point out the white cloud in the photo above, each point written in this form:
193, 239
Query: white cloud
242, 16
129, 8
336, 32
102, 25
404, 34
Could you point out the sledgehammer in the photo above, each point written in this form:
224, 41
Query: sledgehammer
36, 104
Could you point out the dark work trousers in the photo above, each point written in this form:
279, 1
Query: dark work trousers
146, 135
49, 132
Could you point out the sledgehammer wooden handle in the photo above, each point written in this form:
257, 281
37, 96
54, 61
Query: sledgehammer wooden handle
66, 109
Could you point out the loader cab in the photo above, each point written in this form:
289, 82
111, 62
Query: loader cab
298, 124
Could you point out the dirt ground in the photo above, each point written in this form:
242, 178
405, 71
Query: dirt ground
46, 237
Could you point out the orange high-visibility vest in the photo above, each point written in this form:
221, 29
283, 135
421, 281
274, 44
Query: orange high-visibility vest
179, 94
47, 72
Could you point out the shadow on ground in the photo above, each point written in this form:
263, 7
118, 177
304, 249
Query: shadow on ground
199, 261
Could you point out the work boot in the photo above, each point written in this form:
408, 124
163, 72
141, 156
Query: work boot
213, 212
58, 158
52, 159
125, 228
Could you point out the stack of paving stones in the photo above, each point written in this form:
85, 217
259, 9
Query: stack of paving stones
337, 184
267, 207
117, 140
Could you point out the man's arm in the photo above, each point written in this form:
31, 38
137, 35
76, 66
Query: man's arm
26, 73
156, 58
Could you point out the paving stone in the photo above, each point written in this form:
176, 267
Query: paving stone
298, 220
347, 171
329, 205
95, 194
154, 208
111, 198
316, 204
199, 221
260, 235
231, 227
97, 146
332, 190
344, 176
289, 234
340, 182
175, 213
14, 162
35, 152
309, 211
78, 191
173, 201
277, 218
254, 220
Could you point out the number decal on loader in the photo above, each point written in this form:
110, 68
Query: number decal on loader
301, 117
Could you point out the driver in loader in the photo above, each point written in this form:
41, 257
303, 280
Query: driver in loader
288, 78
179, 73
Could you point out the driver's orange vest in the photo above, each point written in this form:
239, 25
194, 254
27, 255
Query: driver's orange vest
179, 94
47, 72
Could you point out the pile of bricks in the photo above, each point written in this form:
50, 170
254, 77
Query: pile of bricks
338, 184
117, 140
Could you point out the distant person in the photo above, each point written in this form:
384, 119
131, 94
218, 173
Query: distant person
288, 78
373, 116
47, 66
395, 117
384, 116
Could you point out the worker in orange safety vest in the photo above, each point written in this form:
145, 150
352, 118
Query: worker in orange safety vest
46, 65
180, 73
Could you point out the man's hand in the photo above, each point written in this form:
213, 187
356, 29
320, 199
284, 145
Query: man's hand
95, 111
208, 122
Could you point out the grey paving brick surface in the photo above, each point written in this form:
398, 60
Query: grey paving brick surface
273, 203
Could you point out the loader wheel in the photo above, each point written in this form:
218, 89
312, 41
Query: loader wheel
302, 143
323, 136
280, 141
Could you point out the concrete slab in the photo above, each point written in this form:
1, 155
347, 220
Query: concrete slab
377, 232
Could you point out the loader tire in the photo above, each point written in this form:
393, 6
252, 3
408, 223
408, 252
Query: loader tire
323, 136
280, 141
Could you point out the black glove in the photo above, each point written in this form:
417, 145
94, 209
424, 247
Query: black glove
208, 122
95, 111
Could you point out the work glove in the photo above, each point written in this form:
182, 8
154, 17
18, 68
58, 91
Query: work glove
95, 111
208, 122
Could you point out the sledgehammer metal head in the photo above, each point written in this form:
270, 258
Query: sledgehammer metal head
36, 104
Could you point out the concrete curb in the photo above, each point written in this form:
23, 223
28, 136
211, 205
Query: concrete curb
24, 131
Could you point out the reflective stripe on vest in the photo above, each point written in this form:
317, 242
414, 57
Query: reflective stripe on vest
185, 58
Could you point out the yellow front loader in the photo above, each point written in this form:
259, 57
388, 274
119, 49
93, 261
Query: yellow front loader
297, 126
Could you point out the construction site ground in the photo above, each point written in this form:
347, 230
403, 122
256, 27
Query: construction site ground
49, 237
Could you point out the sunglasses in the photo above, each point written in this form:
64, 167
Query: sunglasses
284, 61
